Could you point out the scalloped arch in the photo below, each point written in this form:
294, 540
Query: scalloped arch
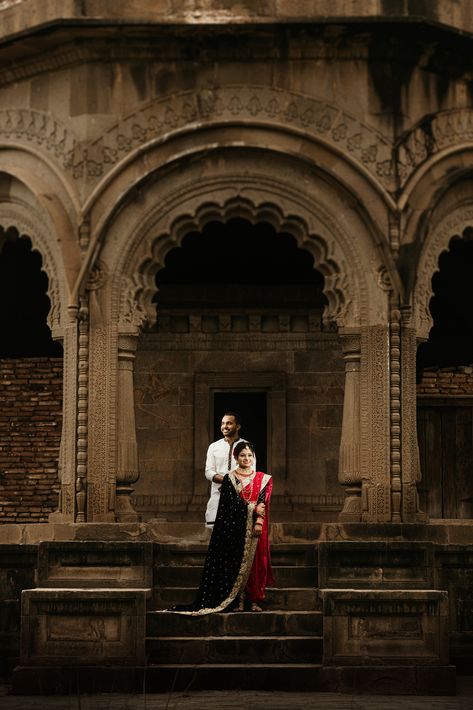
455, 223
32, 225
344, 288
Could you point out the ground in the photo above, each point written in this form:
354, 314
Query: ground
234, 700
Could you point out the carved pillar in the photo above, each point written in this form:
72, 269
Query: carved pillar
349, 467
395, 407
127, 462
67, 454
375, 424
411, 473
82, 410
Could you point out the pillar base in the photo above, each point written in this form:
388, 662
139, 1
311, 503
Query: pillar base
124, 511
351, 511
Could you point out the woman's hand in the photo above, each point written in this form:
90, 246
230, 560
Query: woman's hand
260, 509
257, 529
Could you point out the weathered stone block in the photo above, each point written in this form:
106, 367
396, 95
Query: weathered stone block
95, 564
385, 627
83, 627
375, 565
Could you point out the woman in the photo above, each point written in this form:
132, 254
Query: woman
238, 560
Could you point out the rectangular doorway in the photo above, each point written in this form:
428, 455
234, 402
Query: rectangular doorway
252, 407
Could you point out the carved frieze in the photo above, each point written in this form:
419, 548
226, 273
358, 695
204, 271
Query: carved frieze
92, 160
40, 129
432, 135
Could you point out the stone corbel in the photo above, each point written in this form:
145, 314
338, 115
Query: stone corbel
350, 465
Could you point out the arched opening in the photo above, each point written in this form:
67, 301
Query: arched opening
445, 387
239, 327
30, 385
24, 304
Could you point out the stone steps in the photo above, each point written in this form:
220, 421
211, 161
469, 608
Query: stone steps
281, 647
237, 676
189, 576
193, 554
223, 650
283, 598
267, 623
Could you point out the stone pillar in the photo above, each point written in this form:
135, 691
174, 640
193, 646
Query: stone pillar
411, 473
375, 424
127, 462
349, 466
67, 455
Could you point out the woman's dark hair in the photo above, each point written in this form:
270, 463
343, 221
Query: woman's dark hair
243, 445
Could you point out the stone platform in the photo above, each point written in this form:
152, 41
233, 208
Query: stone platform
356, 608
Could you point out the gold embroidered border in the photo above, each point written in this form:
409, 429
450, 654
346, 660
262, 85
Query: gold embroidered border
246, 562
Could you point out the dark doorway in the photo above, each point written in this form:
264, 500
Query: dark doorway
446, 453
24, 304
252, 408
444, 423
450, 340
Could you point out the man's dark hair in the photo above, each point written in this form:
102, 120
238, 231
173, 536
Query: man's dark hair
232, 414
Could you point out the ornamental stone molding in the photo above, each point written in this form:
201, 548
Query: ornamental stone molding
388, 166
41, 129
29, 223
253, 104
432, 135
454, 224
90, 161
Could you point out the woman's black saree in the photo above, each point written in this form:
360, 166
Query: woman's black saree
230, 553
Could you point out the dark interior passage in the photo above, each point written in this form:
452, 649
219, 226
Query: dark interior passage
239, 264
451, 338
24, 304
252, 408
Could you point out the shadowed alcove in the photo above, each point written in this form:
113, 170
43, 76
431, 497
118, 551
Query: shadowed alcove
445, 377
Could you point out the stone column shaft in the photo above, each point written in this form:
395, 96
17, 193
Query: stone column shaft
127, 462
349, 465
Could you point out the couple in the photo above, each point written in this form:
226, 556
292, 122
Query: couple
237, 567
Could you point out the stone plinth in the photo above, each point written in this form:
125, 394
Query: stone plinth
78, 627
385, 627
375, 565
95, 564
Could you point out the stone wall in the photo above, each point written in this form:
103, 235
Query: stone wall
30, 435
174, 419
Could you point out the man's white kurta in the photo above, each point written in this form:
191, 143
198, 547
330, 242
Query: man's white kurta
219, 460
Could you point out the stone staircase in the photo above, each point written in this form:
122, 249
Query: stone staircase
364, 614
280, 647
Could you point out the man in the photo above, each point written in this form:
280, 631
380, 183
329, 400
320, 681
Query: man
220, 461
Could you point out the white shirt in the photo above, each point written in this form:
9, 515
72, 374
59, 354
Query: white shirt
220, 460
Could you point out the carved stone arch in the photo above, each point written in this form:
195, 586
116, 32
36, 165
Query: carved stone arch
433, 137
29, 223
255, 200
438, 241
244, 104
40, 130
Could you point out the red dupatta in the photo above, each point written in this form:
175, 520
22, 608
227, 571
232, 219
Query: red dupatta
261, 575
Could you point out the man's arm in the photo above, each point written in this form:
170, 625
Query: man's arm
210, 466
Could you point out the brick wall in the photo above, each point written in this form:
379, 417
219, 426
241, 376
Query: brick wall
30, 435
448, 381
